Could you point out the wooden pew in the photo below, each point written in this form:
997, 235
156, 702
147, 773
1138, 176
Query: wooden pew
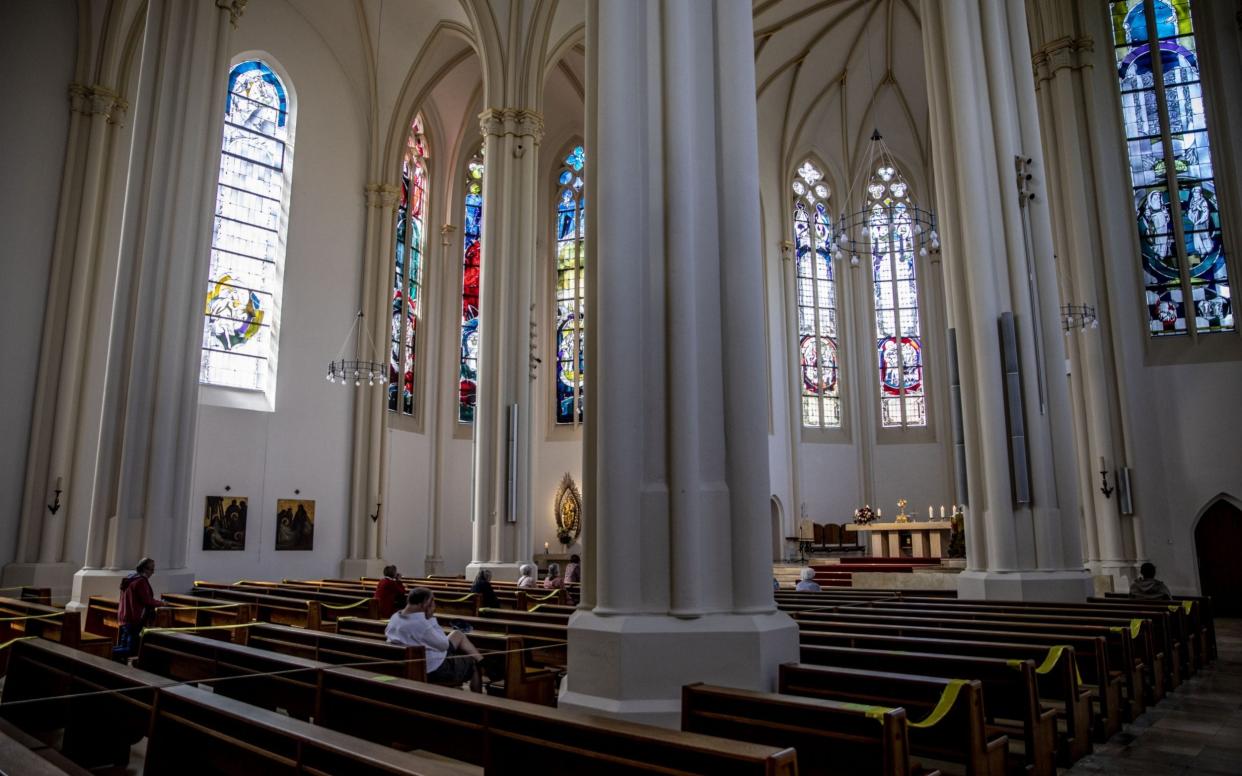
1090, 647
25, 618
523, 615
960, 737
506, 662
200, 732
504, 736
1187, 638
187, 611
528, 597
331, 605
551, 638
1205, 619
99, 727
830, 737
21, 753
1056, 674
334, 648
234, 670
1010, 689
300, 613
37, 595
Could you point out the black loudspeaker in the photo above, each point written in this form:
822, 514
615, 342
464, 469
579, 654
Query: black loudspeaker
955, 421
1019, 473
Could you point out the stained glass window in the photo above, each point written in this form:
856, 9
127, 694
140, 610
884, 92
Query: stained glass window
1182, 253
407, 273
248, 232
899, 345
471, 230
817, 300
570, 288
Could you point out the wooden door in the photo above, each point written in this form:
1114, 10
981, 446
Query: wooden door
1218, 540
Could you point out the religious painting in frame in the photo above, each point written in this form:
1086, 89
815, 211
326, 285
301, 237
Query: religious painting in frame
224, 523
295, 524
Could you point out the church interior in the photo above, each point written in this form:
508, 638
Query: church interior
764, 386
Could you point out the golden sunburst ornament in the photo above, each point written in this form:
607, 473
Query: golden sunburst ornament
567, 509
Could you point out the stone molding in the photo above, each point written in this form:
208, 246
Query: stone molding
97, 101
235, 10
1062, 53
382, 194
512, 121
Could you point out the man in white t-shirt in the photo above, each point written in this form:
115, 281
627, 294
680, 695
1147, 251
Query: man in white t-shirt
451, 659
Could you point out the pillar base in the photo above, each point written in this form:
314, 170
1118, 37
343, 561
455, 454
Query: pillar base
633, 666
57, 576
357, 568
432, 564
1063, 585
503, 570
1120, 572
107, 582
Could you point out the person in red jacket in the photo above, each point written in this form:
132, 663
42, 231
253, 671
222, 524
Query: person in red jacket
137, 607
390, 592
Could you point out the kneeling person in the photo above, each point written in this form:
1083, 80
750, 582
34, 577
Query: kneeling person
451, 659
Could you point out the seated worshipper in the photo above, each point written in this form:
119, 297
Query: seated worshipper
1148, 587
528, 578
573, 570
390, 592
553, 580
483, 585
776, 585
135, 610
451, 659
807, 584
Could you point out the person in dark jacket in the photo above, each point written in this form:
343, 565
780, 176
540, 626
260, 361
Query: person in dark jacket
1148, 586
390, 592
137, 607
483, 585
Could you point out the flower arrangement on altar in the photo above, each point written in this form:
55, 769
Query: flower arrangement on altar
864, 515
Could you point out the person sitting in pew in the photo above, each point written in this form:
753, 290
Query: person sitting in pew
808, 584
135, 610
483, 586
528, 578
573, 570
451, 659
1148, 587
553, 580
390, 592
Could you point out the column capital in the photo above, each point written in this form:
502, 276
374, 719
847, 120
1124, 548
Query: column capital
1062, 53
382, 194
234, 8
80, 98
512, 121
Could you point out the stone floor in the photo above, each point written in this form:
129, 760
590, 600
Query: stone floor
1196, 729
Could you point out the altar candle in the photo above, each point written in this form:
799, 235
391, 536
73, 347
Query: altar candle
929, 512
879, 513
545, 548
942, 511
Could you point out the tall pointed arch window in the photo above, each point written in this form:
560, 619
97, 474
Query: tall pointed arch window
472, 230
407, 273
899, 342
248, 232
817, 300
570, 233
1186, 283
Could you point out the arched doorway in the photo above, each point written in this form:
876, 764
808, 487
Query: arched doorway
1218, 538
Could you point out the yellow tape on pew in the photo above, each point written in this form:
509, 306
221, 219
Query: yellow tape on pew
354, 605
463, 599
547, 597
384, 678
31, 617
1054, 655
535, 608
1187, 606
11, 642
1136, 627
947, 699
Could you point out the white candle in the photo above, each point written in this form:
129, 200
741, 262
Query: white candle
879, 513
942, 511
545, 547
929, 512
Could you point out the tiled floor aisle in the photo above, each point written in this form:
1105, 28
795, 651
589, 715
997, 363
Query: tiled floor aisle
1197, 729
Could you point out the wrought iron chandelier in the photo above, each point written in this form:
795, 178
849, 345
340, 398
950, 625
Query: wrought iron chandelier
356, 369
887, 211
1078, 316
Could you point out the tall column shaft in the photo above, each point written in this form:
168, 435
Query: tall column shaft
679, 466
501, 533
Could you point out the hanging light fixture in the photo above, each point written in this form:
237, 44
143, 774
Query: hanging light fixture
886, 211
1078, 316
356, 370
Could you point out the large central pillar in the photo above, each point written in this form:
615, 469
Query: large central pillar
677, 545
502, 441
1003, 304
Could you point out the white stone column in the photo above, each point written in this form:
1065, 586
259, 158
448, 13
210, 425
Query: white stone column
681, 588
501, 527
143, 463
998, 253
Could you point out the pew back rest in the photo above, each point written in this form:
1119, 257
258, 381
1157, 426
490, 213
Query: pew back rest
336, 649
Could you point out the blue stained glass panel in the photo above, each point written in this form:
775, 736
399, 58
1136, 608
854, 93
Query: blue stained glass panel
570, 266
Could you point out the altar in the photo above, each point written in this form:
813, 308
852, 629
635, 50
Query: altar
927, 540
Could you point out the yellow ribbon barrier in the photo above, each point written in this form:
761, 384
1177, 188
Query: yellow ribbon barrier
11, 642
31, 617
873, 712
463, 599
187, 607
1054, 655
383, 678
947, 699
200, 628
535, 608
1136, 627
354, 605
547, 597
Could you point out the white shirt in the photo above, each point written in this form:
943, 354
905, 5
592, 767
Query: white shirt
417, 630
526, 581
807, 586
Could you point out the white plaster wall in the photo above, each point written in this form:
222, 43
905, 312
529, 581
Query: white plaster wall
304, 444
37, 42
